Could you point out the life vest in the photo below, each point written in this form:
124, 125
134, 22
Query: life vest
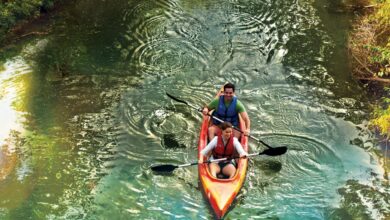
223, 151
226, 114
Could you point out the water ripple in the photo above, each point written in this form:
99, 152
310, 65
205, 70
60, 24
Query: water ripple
274, 51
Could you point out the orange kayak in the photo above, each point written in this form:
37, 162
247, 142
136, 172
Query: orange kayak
220, 192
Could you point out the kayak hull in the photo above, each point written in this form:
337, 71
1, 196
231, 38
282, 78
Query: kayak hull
220, 192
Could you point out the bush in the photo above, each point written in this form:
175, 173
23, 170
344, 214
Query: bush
369, 44
382, 116
12, 12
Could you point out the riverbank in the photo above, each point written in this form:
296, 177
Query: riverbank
17, 18
369, 46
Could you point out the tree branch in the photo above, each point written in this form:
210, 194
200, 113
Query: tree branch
377, 79
364, 66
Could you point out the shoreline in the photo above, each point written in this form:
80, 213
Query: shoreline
369, 52
38, 23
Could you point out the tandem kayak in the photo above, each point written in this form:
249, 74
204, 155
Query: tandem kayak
220, 192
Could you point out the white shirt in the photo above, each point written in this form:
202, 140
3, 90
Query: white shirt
213, 143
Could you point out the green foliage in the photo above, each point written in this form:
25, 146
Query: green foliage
11, 12
382, 121
380, 52
382, 116
380, 56
382, 18
369, 43
383, 13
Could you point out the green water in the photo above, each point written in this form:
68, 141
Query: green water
84, 111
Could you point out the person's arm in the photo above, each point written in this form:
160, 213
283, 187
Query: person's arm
245, 118
212, 144
211, 106
244, 115
238, 147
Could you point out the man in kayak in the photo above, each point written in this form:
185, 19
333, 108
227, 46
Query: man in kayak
228, 108
223, 146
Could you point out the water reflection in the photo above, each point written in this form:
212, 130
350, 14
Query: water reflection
11, 88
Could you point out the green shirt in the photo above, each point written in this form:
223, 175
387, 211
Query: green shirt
214, 104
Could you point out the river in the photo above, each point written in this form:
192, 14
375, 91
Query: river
84, 111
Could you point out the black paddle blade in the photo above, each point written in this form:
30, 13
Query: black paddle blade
163, 168
275, 151
176, 99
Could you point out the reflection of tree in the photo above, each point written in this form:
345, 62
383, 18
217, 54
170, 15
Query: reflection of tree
82, 42
8, 160
59, 59
11, 156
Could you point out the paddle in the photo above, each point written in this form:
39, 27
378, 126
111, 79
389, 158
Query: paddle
170, 167
220, 120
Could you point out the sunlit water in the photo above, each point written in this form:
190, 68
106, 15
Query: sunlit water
84, 112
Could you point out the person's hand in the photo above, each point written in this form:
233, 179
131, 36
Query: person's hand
200, 161
205, 111
247, 132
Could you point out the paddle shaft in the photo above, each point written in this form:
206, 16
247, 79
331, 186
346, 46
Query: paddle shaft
208, 161
169, 167
239, 130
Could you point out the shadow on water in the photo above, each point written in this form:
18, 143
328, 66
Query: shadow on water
270, 167
169, 141
162, 173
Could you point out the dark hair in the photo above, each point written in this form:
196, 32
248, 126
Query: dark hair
229, 85
225, 125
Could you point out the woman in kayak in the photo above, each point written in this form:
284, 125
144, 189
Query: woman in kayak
223, 146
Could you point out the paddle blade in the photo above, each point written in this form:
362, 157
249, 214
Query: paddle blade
176, 99
163, 168
275, 151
